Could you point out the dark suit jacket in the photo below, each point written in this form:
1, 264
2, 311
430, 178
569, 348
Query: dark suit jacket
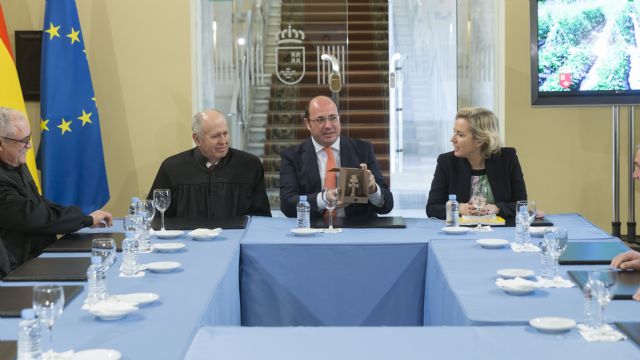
299, 175
453, 176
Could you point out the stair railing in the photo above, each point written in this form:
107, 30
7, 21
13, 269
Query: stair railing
396, 125
250, 70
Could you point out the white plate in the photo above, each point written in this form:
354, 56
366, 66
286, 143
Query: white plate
168, 247
97, 354
513, 273
552, 325
518, 291
455, 230
137, 299
205, 234
162, 266
168, 234
492, 243
537, 230
112, 310
304, 231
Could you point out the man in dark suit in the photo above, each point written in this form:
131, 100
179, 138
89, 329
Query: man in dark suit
303, 170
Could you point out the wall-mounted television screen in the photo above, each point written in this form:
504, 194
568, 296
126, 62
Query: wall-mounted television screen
585, 52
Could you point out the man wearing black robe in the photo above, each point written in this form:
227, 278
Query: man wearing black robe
213, 179
29, 222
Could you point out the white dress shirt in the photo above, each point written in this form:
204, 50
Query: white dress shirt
376, 198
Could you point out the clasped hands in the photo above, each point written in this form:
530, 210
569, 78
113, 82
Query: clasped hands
469, 209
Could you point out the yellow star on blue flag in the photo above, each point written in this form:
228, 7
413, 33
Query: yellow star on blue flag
70, 158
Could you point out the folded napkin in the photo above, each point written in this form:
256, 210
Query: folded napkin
524, 247
65, 355
481, 228
557, 282
335, 230
136, 275
602, 334
516, 283
206, 232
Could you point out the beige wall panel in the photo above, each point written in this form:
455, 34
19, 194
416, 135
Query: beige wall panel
140, 58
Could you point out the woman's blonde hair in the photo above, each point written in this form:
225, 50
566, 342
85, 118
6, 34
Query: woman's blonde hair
484, 128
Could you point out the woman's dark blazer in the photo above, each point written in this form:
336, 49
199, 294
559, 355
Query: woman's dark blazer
453, 176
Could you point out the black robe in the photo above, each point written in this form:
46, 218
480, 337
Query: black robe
233, 187
28, 222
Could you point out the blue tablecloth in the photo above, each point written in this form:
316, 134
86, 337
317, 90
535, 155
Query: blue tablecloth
461, 289
204, 292
357, 277
451, 343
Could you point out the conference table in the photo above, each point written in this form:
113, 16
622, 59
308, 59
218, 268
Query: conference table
264, 275
461, 288
407, 343
203, 292
359, 277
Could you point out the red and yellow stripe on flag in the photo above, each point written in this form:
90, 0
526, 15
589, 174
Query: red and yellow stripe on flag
10, 91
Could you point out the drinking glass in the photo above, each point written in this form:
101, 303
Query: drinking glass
604, 282
133, 223
555, 241
479, 197
147, 211
531, 208
161, 200
48, 302
330, 197
106, 249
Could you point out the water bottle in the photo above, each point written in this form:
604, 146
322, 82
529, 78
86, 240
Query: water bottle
96, 282
304, 212
29, 335
129, 265
522, 226
546, 263
452, 211
133, 206
591, 306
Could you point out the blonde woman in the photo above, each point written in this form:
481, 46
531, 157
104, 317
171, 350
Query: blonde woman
477, 161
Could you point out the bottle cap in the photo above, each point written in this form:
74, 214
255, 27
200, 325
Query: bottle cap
135, 199
303, 197
27, 314
452, 196
96, 260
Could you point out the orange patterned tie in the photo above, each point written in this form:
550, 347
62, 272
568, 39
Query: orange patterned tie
329, 177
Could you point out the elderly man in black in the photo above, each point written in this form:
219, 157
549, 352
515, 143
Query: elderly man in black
29, 222
213, 179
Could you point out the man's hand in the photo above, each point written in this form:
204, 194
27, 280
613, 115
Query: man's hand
373, 187
101, 219
627, 261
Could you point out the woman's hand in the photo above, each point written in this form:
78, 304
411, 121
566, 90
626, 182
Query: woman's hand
468, 209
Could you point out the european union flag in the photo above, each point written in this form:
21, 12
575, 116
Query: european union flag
70, 156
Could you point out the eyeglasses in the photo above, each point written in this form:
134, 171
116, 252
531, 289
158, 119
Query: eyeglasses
24, 141
320, 120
